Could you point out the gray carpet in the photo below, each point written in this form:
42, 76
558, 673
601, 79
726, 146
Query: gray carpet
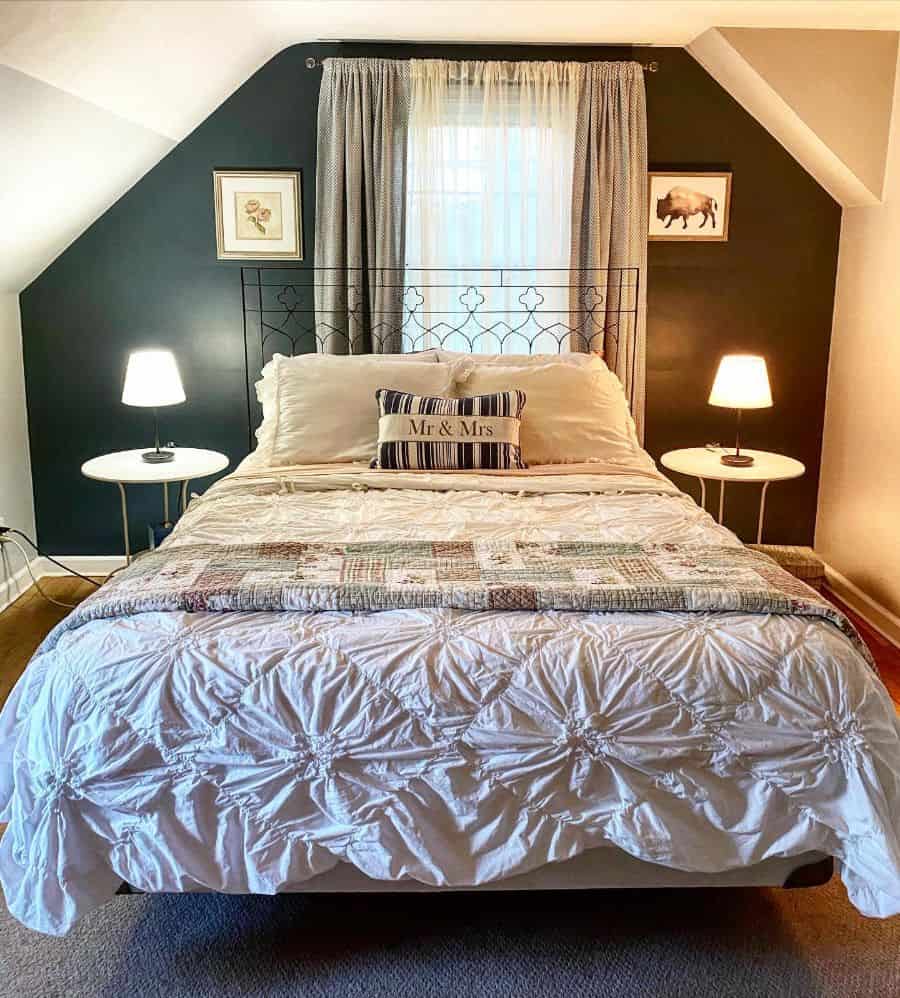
793, 944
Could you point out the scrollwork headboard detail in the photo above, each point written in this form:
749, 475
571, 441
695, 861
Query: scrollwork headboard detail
470, 310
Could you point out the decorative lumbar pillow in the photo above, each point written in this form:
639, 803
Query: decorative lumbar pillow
576, 413
320, 409
428, 433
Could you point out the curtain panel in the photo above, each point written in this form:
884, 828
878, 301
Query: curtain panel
360, 202
609, 216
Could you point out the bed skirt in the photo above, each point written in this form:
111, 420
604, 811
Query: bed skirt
597, 869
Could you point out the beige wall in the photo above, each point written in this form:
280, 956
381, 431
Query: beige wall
858, 528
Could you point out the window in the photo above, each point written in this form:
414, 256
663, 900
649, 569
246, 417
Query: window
489, 184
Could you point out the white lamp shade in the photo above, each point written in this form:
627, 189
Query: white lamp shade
152, 379
742, 382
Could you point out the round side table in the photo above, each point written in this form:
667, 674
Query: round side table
127, 468
704, 463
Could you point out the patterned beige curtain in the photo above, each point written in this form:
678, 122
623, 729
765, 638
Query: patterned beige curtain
609, 221
360, 203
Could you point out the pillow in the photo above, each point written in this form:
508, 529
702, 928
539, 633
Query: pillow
446, 434
320, 409
575, 414
514, 359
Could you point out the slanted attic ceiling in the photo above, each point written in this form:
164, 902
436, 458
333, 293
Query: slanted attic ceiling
93, 93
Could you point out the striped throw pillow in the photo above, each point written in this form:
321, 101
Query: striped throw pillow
426, 433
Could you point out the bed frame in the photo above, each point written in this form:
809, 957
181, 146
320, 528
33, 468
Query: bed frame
466, 309
475, 310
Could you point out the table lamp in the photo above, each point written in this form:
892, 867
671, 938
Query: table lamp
152, 380
742, 382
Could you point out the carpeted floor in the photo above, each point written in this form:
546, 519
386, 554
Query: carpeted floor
640, 944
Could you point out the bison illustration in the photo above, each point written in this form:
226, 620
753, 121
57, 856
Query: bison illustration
681, 203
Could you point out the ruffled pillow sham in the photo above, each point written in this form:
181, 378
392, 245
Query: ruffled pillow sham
320, 409
576, 413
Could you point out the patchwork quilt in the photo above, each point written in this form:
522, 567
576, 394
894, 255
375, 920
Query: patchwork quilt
456, 575
582, 660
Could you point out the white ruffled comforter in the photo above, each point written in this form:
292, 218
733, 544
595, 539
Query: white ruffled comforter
252, 751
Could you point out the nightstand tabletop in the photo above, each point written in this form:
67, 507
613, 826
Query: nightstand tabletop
703, 463
128, 467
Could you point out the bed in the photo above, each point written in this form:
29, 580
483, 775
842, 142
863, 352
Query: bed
317, 683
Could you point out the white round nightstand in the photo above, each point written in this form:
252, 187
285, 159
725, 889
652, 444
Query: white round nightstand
126, 467
705, 464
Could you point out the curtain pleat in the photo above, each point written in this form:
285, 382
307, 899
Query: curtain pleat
609, 221
360, 203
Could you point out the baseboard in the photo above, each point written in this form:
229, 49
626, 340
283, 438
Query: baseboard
17, 584
87, 564
872, 612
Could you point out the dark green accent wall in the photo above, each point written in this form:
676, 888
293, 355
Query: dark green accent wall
146, 274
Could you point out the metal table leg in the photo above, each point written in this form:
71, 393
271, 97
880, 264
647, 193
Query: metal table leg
762, 512
703, 494
721, 499
183, 498
125, 523
165, 502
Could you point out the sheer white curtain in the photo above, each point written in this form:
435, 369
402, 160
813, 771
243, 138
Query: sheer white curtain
489, 184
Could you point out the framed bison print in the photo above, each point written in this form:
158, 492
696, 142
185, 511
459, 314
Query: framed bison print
258, 215
689, 207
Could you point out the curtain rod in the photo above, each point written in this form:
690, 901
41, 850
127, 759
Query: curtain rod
648, 67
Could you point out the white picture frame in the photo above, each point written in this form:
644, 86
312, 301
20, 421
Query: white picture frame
688, 207
258, 215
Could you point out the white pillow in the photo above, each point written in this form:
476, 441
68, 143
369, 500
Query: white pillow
321, 409
573, 413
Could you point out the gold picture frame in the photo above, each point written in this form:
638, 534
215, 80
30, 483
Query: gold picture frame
699, 213
259, 214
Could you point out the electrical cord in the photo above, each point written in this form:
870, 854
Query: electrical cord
12, 530
5, 539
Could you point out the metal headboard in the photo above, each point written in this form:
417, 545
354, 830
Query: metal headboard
471, 310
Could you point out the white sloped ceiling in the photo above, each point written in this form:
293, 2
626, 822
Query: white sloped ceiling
827, 96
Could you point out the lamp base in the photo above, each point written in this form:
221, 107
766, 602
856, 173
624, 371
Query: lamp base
737, 460
158, 456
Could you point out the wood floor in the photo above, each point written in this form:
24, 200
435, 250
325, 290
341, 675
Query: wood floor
24, 625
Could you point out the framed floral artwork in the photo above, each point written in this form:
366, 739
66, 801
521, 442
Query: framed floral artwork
258, 215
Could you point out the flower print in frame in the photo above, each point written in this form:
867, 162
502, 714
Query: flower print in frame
258, 215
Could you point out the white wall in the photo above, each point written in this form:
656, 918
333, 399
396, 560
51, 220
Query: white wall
858, 527
16, 502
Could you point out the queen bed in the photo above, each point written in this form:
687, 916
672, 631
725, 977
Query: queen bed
333, 677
